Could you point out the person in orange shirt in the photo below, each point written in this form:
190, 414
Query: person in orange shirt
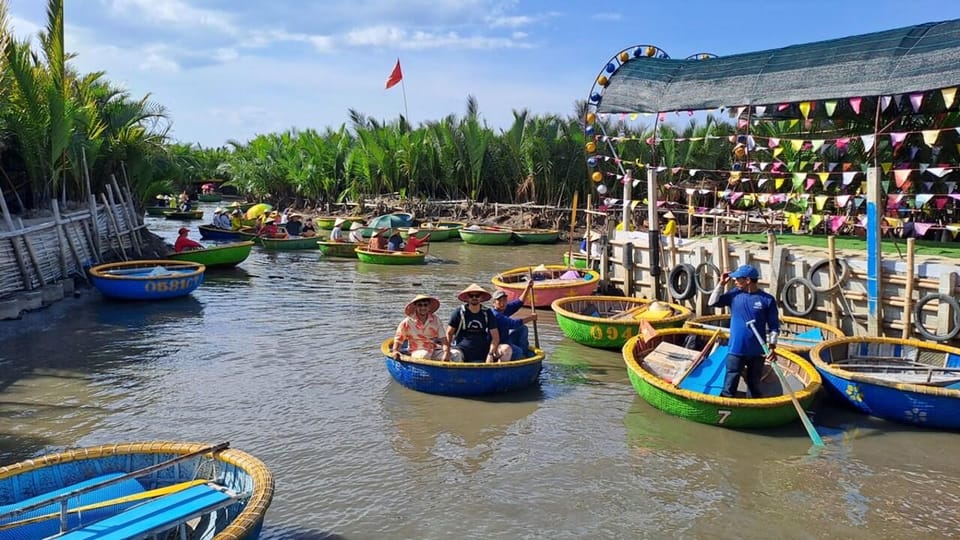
413, 242
378, 240
422, 331
183, 242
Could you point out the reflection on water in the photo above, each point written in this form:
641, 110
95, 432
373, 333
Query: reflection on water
280, 356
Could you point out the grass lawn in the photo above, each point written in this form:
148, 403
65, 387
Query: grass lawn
923, 247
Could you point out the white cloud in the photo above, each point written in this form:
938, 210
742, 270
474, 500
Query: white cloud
167, 13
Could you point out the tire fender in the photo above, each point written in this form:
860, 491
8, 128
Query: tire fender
682, 282
797, 282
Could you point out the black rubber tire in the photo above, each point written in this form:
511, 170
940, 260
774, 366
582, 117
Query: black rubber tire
918, 316
706, 266
682, 282
822, 264
798, 282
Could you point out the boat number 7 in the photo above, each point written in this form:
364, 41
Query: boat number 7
723, 416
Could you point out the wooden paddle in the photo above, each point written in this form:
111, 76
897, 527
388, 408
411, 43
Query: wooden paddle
533, 306
807, 424
573, 223
630, 313
704, 353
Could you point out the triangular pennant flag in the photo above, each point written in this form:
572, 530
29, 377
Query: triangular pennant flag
886, 166
901, 176
815, 219
921, 228
796, 144
855, 104
816, 144
823, 178
831, 166
810, 182
802, 166
842, 200
948, 95
777, 151
690, 192
798, 179
941, 202
778, 183
805, 108
913, 152
893, 200
848, 177
762, 180
793, 220
774, 142
830, 106
764, 165
885, 102
886, 186
867, 142
836, 222
937, 171
897, 138
928, 186
820, 201
916, 100
760, 110
930, 136
951, 186
954, 228
922, 199
794, 123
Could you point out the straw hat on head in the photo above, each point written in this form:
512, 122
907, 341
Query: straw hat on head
669, 215
355, 226
594, 236
541, 268
339, 222
473, 288
160, 196
270, 219
295, 216
219, 210
235, 204
434, 304
412, 230
379, 232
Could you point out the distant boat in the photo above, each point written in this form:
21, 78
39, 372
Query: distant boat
137, 490
346, 250
390, 257
147, 279
289, 243
463, 378
209, 232
220, 256
551, 282
189, 214
486, 236
536, 236
607, 322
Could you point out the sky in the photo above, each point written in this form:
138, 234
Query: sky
232, 69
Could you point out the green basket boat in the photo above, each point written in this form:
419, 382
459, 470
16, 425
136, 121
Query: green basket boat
189, 214
158, 211
536, 236
390, 257
222, 256
290, 243
327, 222
486, 236
607, 322
797, 335
453, 226
652, 365
345, 250
437, 234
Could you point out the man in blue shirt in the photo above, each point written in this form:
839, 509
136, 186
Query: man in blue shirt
513, 331
747, 303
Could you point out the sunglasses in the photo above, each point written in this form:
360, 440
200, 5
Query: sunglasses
422, 304
474, 295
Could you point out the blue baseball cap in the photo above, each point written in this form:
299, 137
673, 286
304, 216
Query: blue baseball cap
745, 271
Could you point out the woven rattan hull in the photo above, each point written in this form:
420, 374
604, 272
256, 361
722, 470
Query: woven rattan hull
546, 292
605, 332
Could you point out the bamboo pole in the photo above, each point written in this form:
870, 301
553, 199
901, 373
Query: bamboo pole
908, 291
137, 217
831, 256
61, 243
128, 218
589, 230
111, 220
95, 233
24, 273
33, 255
61, 233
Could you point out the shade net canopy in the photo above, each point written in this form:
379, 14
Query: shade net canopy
904, 60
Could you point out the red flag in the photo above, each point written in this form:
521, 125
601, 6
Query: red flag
395, 76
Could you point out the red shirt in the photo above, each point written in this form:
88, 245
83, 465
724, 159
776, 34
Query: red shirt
413, 243
183, 243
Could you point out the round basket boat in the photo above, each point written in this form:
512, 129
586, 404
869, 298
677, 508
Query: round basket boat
902, 380
463, 378
344, 250
390, 257
551, 282
486, 236
607, 322
147, 279
654, 365
151, 489
221, 256
796, 334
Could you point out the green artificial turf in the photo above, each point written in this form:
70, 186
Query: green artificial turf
922, 247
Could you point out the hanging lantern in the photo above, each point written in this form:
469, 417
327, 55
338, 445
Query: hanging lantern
651, 50
624, 56
592, 161
595, 97
602, 81
611, 67
591, 118
589, 131
601, 189
597, 176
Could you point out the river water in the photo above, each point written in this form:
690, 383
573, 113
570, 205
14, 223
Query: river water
280, 356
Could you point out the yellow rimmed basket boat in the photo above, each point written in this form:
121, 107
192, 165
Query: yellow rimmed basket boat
137, 490
390, 257
344, 250
551, 282
607, 322
654, 364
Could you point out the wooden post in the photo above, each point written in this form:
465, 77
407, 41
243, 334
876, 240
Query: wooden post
24, 273
832, 276
88, 236
908, 291
61, 243
62, 233
128, 215
137, 217
33, 255
116, 229
628, 269
671, 245
690, 215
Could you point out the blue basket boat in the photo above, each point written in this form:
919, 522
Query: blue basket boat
147, 279
903, 380
136, 490
461, 378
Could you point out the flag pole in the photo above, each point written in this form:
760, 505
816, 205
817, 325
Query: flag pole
406, 112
